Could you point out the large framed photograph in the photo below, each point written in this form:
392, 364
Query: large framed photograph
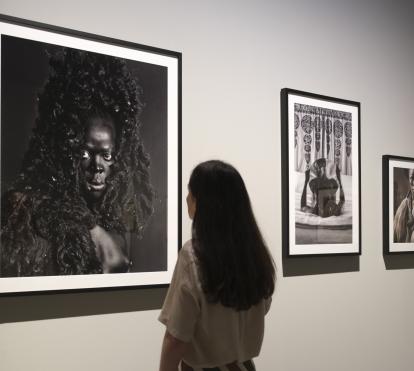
90, 160
321, 200
398, 202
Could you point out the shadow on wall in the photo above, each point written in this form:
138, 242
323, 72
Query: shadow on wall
399, 261
33, 307
303, 266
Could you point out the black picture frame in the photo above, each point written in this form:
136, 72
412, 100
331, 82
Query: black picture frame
158, 74
397, 175
326, 223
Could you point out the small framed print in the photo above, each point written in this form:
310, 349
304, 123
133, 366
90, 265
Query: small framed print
90, 160
321, 200
398, 202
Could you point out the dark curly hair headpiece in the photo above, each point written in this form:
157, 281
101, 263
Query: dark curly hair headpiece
46, 200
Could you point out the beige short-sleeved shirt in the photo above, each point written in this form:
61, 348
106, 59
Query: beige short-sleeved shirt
217, 335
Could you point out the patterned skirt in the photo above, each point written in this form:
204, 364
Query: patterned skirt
235, 366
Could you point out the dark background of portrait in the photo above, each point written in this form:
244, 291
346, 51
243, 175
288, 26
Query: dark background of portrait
401, 186
24, 70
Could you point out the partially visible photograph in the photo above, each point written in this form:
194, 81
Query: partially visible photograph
398, 204
321, 136
84, 164
403, 205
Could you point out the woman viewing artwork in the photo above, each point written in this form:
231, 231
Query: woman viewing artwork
223, 281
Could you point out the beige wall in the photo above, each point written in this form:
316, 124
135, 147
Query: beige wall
329, 314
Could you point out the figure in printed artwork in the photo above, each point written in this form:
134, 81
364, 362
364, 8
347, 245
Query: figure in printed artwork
324, 191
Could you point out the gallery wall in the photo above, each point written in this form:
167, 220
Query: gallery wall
333, 313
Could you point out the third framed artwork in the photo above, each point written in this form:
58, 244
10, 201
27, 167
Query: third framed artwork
398, 200
321, 198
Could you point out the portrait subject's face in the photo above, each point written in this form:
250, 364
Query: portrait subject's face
97, 157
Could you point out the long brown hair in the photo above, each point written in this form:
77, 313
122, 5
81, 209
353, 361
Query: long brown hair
236, 267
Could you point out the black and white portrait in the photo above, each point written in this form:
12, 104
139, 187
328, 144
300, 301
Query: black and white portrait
84, 162
403, 225
398, 204
322, 137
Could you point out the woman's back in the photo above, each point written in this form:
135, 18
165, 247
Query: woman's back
219, 335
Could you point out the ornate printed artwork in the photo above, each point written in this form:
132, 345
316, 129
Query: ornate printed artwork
323, 171
317, 133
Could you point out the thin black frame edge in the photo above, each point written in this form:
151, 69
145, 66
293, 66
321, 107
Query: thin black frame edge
321, 97
284, 93
385, 208
82, 290
132, 45
285, 171
87, 35
358, 104
180, 153
385, 203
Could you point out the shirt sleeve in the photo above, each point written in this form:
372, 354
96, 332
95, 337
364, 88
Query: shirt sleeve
181, 308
